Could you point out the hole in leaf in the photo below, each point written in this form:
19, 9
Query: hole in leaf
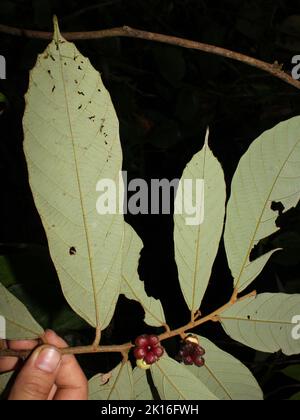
72, 250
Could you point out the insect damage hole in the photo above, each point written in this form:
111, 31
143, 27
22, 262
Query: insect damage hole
72, 250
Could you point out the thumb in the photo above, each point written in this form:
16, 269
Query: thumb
37, 377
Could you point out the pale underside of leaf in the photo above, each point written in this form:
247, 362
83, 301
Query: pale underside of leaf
268, 172
4, 380
118, 387
142, 390
264, 323
196, 246
225, 376
174, 382
132, 287
71, 142
20, 325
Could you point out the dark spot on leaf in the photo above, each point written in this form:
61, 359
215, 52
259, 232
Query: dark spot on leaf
81, 93
92, 117
53, 89
65, 63
79, 68
72, 250
99, 90
76, 81
105, 142
52, 58
80, 106
101, 128
249, 317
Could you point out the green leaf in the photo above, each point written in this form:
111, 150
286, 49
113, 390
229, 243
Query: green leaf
7, 277
20, 325
174, 382
264, 323
117, 385
132, 287
196, 246
225, 376
71, 142
2, 98
142, 390
268, 172
292, 372
4, 380
295, 397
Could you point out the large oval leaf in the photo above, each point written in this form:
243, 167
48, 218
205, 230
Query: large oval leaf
118, 385
142, 390
225, 376
71, 142
174, 382
196, 246
268, 172
264, 323
132, 287
20, 325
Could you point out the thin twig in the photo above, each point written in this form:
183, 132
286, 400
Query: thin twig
124, 348
125, 31
23, 354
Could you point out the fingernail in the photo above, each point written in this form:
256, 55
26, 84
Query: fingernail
48, 360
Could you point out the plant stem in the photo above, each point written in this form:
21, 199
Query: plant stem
124, 348
23, 354
274, 69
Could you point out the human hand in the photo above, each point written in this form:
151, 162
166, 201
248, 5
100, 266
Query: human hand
46, 375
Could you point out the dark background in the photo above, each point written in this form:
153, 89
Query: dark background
165, 97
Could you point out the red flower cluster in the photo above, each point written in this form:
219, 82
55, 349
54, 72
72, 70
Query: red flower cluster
148, 349
191, 353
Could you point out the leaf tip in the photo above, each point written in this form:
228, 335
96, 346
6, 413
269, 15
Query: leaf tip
207, 136
57, 34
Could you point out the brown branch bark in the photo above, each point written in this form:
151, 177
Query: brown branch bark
125, 31
124, 348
